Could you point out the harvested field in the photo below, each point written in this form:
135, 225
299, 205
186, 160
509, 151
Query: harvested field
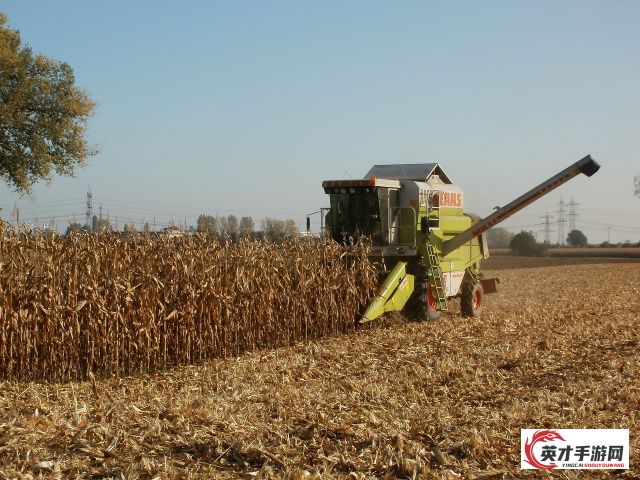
507, 262
591, 252
556, 347
622, 252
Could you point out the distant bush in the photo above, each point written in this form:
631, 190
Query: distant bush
525, 245
498, 237
577, 239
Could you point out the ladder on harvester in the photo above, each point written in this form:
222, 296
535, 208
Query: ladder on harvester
435, 278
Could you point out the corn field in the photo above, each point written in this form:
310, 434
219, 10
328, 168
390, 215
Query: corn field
99, 304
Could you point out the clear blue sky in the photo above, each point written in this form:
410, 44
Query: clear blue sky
245, 107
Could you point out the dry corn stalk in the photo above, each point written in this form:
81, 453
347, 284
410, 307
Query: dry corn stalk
100, 304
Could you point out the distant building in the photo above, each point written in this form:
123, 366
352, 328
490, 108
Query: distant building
173, 231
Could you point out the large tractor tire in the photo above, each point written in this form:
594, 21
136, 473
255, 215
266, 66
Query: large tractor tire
424, 304
472, 299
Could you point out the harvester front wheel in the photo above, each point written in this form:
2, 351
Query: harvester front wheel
472, 299
424, 303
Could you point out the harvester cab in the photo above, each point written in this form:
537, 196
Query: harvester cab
414, 216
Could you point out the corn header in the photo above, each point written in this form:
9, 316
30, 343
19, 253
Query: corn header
414, 216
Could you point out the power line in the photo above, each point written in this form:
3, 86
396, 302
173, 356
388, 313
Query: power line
49, 206
573, 214
195, 209
561, 221
89, 212
547, 228
590, 212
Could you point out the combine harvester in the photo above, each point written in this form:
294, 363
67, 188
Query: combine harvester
414, 216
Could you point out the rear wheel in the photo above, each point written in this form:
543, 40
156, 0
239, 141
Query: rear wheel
472, 299
424, 304
432, 312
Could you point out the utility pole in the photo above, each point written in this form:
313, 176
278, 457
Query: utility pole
89, 211
561, 221
547, 228
573, 214
16, 212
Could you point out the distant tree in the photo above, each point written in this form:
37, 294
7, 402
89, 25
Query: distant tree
605, 244
104, 225
51, 226
276, 230
129, 229
232, 228
74, 227
222, 225
577, 239
636, 186
100, 225
43, 115
273, 229
246, 227
290, 228
525, 244
499, 237
207, 224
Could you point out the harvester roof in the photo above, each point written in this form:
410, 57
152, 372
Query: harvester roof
419, 172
